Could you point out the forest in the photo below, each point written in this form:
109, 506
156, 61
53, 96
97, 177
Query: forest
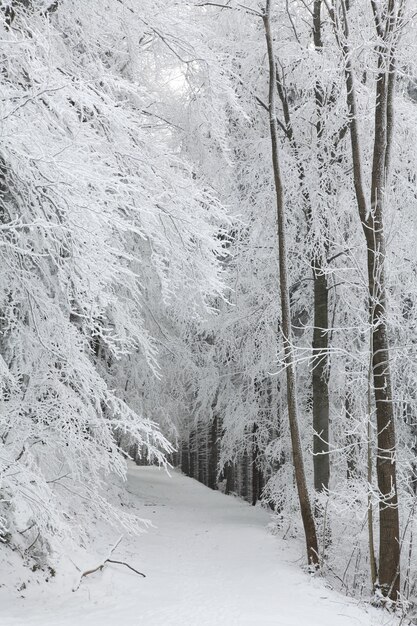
208, 219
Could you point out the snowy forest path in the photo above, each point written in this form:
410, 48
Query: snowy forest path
208, 560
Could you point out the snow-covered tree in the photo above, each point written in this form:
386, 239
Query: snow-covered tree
105, 235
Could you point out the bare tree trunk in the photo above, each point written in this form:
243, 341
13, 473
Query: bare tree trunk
257, 480
185, 457
352, 440
244, 476
371, 542
372, 223
229, 472
192, 454
306, 512
320, 343
321, 459
213, 460
202, 445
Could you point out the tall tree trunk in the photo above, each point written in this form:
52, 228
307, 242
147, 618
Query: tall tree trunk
229, 472
185, 456
321, 404
244, 476
305, 506
320, 344
202, 446
351, 439
192, 454
213, 459
389, 552
257, 480
372, 224
321, 382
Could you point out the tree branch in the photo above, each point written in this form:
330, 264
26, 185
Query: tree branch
100, 566
228, 6
126, 565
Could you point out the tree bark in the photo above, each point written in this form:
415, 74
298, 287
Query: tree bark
321, 404
185, 456
372, 224
321, 383
192, 455
229, 472
320, 344
305, 506
257, 479
213, 460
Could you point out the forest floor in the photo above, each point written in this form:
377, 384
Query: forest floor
209, 561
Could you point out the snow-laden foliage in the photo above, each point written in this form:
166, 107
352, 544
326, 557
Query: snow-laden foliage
137, 314
99, 214
241, 350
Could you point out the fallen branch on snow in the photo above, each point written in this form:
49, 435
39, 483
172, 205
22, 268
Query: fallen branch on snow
107, 560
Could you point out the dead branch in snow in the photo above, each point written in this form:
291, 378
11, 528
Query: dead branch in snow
107, 560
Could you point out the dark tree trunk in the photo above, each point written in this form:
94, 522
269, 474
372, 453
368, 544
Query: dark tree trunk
351, 442
185, 457
213, 454
321, 417
321, 383
229, 472
320, 361
244, 476
257, 478
306, 512
202, 445
193, 456
372, 223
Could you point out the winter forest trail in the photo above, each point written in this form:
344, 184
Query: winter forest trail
208, 560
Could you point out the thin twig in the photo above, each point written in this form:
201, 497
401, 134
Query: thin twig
126, 565
101, 565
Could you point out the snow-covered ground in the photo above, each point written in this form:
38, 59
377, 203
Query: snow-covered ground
208, 560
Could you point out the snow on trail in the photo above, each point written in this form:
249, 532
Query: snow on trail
209, 561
